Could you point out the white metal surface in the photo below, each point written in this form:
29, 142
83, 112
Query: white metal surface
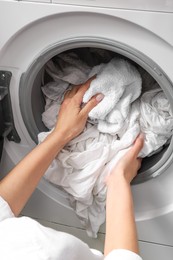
35, 27
154, 5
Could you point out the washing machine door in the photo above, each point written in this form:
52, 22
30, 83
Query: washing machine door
7, 127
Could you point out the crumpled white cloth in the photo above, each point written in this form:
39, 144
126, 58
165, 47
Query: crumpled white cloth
118, 74
81, 167
156, 120
111, 114
120, 82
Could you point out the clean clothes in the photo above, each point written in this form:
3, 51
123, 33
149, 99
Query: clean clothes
81, 167
24, 238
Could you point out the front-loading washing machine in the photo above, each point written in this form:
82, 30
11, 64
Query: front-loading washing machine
31, 33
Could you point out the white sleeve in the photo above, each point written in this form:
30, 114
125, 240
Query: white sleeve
122, 254
5, 210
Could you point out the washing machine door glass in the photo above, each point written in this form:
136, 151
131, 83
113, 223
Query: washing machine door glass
7, 127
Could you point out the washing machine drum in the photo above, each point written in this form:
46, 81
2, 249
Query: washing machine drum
32, 102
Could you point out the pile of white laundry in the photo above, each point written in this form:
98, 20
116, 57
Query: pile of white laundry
113, 125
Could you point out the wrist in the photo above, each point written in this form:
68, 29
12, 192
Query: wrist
66, 134
116, 179
57, 138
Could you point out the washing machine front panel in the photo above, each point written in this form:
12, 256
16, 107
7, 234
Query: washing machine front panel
30, 43
33, 12
156, 5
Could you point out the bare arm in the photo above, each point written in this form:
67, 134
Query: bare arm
120, 221
19, 184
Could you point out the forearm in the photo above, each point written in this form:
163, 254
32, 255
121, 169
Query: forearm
19, 184
120, 222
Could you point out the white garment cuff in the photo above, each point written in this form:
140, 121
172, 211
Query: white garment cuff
5, 210
122, 254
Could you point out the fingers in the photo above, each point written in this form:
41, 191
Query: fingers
81, 91
138, 145
71, 92
78, 91
92, 103
139, 163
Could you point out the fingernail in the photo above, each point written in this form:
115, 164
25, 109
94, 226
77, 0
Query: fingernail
141, 135
99, 97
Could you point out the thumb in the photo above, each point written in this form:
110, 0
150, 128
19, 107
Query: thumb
92, 103
139, 142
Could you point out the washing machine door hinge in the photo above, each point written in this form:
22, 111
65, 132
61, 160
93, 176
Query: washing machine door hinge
7, 127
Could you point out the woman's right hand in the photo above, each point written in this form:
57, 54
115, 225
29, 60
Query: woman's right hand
129, 164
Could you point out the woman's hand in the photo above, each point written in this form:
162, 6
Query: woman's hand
120, 221
73, 114
129, 164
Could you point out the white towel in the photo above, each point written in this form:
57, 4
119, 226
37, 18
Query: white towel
120, 82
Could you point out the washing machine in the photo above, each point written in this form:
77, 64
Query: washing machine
31, 33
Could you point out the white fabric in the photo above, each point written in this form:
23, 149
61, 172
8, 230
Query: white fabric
23, 238
156, 120
82, 172
5, 211
120, 82
75, 68
123, 254
82, 165
118, 74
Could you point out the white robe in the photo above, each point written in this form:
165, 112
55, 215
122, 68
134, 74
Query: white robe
25, 239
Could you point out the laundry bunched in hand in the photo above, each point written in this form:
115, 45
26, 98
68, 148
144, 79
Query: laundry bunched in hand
113, 125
